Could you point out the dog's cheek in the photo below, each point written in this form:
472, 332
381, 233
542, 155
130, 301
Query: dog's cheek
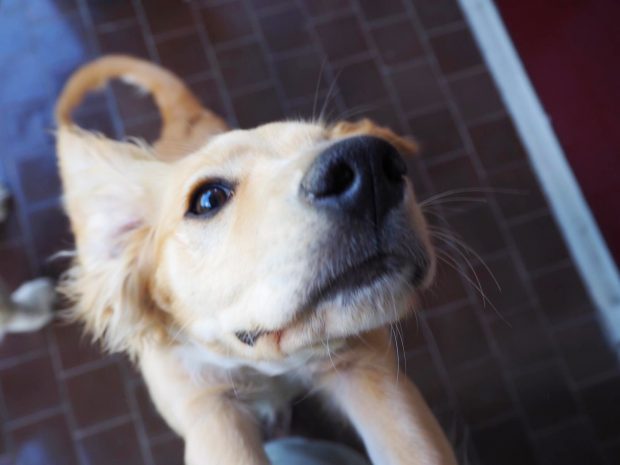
421, 227
161, 293
169, 284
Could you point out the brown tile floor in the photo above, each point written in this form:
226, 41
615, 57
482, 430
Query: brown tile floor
531, 382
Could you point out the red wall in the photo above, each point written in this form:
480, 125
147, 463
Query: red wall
571, 50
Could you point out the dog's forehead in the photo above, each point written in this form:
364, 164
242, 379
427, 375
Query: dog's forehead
273, 140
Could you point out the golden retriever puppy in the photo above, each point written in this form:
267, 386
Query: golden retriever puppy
238, 267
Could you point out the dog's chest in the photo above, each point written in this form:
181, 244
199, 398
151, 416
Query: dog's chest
269, 398
267, 390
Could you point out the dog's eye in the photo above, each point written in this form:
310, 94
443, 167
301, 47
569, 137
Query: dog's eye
209, 199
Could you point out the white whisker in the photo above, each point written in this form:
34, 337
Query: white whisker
450, 236
472, 190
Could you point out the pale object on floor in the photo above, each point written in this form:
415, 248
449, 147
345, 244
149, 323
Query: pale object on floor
301, 451
29, 308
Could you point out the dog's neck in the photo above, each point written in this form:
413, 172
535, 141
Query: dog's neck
197, 356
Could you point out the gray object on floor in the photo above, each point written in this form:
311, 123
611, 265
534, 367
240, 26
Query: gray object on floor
29, 308
300, 451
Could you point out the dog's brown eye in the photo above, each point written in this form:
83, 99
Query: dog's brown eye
209, 198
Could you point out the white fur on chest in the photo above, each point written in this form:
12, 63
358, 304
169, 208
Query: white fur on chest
266, 388
196, 359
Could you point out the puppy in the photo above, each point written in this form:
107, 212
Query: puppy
238, 267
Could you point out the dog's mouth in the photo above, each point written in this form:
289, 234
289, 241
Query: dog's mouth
249, 338
353, 278
345, 284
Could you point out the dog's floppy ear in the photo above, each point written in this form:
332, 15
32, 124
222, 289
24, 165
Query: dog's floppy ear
368, 127
111, 197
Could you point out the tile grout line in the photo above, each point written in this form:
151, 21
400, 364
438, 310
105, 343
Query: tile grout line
443, 309
446, 157
331, 16
424, 111
470, 71
413, 63
36, 417
88, 367
253, 88
114, 25
492, 118
456, 26
292, 53
500, 418
177, 33
11, 362
547, 270
574, 322
231, 44
356, 58
162, 438
102, 427
267, 11
215, 3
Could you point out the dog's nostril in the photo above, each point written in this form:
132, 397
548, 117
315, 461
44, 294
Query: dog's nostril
339, 178
394, 167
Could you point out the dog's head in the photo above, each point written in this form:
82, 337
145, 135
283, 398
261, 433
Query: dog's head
264, 243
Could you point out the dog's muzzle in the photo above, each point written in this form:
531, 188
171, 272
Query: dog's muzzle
359, 183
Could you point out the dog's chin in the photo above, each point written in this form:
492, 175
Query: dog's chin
371, 277
374, 292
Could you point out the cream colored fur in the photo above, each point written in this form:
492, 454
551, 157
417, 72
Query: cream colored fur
172, 291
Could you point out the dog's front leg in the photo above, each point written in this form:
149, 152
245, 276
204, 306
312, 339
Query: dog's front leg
223, 434
386, 409
216, 427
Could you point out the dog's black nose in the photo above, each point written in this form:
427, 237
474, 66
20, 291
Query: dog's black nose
362, 177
